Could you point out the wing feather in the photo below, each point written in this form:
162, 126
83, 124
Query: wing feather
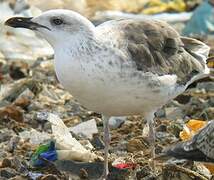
154, 46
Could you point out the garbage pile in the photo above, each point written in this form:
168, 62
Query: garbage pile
46, 134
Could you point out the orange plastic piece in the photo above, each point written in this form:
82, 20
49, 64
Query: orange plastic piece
191, 128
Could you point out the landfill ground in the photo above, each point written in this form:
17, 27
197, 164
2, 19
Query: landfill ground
29, 91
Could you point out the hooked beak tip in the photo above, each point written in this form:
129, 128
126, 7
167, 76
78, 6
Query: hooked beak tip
23, 22
19, 22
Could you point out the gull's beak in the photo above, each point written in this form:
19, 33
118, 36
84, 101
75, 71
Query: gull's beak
24, 22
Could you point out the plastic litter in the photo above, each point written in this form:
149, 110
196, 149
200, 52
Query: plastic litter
34, 176
202, 21
68, 148
158, 6
64, 146
126, 166
86, 129
34, 136
46, 151
191, 128
116, 122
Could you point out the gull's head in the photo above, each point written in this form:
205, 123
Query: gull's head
55, 25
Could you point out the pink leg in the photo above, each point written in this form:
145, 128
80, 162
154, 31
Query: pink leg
107, 142
151, 124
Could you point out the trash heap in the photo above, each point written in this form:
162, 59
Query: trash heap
46, 134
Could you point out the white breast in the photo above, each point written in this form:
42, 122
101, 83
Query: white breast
102, 85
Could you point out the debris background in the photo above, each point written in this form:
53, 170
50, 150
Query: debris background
29, 91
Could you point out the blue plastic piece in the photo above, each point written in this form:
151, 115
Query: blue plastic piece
49, 153
201, 22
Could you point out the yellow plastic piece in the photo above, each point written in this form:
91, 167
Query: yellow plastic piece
158, 6
191, 128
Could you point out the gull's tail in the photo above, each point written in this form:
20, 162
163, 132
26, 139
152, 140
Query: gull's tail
200, 52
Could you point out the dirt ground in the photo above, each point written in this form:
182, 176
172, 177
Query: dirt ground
30, 88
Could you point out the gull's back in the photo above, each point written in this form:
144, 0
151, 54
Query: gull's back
154, 46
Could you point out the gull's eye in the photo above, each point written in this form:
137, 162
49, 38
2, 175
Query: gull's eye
57, 21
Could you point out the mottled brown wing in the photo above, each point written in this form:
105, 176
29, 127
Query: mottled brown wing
156, 47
